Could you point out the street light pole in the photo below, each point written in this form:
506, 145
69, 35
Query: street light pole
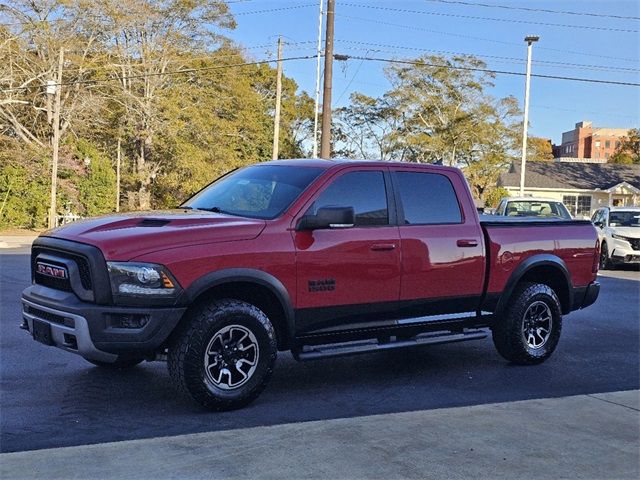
317, 104
531, 39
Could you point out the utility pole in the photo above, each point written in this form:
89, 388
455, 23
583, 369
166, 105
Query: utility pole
325, 146
118, 157
531, 39
55, 141
317, 104
276, 119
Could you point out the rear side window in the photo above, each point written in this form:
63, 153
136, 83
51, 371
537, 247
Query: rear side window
364, 191
428, 198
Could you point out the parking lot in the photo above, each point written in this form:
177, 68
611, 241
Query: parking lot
52, 399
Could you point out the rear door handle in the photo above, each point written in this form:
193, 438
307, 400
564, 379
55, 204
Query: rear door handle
467, 243
377, 247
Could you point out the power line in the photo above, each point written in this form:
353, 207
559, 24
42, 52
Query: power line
472, 17
271, 10
366, 45
539, 10
158, 74
460, 35
582, 112
355, 74
249, 12
488, 70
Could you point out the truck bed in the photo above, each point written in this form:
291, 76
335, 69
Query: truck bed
500, 221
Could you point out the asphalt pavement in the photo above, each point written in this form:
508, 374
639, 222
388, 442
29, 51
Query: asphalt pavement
49, 398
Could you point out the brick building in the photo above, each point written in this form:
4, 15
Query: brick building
587, 141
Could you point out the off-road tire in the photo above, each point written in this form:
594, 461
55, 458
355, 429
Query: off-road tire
605, 259
186, 359
508, 336
121, 363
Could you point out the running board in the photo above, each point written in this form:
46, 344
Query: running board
367, 346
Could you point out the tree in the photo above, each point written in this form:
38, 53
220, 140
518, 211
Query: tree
364, 129
96, 188
539, 149
447, 115
437, 111
145, 39
629, 149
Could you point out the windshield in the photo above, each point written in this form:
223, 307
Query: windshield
624, 219
535, 208
259, 191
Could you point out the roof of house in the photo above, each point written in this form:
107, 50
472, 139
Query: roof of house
568, 175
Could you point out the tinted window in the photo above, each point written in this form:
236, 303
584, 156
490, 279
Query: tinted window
428, 198
364, 191
259, 191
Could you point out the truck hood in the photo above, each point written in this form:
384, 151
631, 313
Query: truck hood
631, 232
126, 236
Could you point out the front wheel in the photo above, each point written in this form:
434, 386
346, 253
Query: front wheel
605, 260
226, 355
529, 330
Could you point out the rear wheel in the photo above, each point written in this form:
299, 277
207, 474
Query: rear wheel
226, 355
529, 330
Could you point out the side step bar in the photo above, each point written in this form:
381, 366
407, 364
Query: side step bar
355, 348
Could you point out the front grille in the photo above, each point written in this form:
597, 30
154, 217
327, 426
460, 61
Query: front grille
635, 243
57, 283
51, 317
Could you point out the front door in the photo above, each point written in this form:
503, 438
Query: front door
348, 275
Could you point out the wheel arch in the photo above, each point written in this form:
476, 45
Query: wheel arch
547, 269
253, 286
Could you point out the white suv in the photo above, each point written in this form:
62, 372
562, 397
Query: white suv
619, 233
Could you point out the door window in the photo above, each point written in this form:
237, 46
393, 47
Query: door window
364, 191
428, 199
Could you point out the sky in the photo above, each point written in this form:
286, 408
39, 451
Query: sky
593, 45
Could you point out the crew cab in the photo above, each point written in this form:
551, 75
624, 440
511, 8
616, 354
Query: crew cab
619, 232
321, 258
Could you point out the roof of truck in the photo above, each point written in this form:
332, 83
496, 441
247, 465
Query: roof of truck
324, 163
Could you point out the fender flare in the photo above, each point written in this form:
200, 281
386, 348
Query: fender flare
247, 275
539, 260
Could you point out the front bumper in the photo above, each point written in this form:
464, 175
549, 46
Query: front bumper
95, 331
623, 253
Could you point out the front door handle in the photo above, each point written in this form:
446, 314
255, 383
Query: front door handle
467, 243
377, 247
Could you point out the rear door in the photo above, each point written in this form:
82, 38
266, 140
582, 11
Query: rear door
441, 240
345, 275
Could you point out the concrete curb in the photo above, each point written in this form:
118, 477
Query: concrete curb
584, 436
16, 241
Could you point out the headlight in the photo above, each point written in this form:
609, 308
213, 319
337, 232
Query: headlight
619, 237
141, 280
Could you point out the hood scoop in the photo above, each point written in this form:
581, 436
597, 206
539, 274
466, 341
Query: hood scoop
153, 222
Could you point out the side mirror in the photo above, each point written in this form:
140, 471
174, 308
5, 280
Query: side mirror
328, 217
599, 224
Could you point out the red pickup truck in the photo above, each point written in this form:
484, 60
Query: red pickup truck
322, 258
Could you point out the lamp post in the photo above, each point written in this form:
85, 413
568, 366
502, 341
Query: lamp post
530, 39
